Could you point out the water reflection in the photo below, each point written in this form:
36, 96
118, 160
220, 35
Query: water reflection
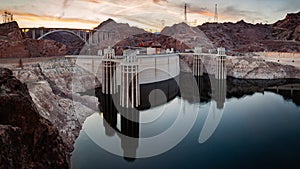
128, 128
243, 115
131, 129
214, 90
210, 89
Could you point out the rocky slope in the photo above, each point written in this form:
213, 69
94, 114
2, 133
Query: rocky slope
27, 140
251, 68
246, 68
118, 32
73, 43
191, 36
288, 28
10, 31
240, 37
14, 45
150, 40
54, 88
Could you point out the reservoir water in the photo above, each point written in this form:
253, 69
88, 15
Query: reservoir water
257, 125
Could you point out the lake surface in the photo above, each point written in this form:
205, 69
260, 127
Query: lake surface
257, 125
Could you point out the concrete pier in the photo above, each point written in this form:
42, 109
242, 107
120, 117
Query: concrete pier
221, 64
216, 67
130, 87
109, 80
197, 63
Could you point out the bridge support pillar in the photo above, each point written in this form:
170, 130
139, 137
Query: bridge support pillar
33, 34
41, 32
130, 88
84, 37
90, 38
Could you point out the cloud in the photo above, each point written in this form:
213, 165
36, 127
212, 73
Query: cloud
232, 12
145, 13
158, 1
201, 11
34, 17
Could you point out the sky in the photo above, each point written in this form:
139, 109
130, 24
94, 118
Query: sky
146, 14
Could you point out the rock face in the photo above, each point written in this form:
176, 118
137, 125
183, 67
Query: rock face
246, 68
27, 139
13, 45
191, 36
243, 37
121, 30
150, 40
73, 43
54, 87
250, 68
118, 32
10, 31
288, 28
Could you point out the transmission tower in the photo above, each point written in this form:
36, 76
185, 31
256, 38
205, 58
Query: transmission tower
7, 17
185, 13
216, 13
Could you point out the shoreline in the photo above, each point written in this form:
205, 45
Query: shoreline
240, 67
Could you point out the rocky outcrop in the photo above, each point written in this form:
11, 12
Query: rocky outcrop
288, 28
244, 37
118, 32
44, 48
31, 48
10, 31
27, 139
245, 68
191, 36
251, 68
73, 43
13, 49
150, 40
235, 36
13, 45
54, 87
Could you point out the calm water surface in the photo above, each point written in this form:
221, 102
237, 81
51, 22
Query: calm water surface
257, 129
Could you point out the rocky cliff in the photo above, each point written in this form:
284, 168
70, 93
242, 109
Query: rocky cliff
14, 45
150, 40
190, 36
54, 87
118, 32
246, 68
27, 140
73, 43
10, 31
240, 37
288, 28
251, 68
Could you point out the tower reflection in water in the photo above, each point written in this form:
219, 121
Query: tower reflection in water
130, 126
124, 122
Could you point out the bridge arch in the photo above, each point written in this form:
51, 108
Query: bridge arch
68, 31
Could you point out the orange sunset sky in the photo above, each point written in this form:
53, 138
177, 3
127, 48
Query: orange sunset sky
147, 14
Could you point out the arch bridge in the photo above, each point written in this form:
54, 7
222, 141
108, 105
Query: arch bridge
89, 36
